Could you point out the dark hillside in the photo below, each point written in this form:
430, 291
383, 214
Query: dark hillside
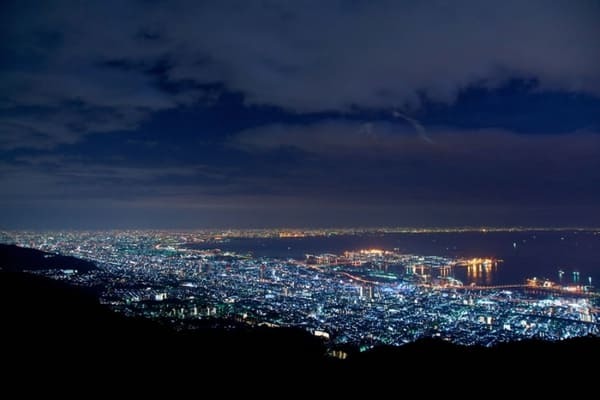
15, 258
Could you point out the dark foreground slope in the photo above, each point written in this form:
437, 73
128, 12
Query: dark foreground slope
14, 258
52, 330
43, 319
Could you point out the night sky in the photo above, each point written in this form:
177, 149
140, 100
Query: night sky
192, 114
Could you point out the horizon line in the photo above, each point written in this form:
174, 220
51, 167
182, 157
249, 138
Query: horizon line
390, 229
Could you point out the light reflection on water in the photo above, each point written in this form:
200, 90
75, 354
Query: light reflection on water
481, 273
560, 256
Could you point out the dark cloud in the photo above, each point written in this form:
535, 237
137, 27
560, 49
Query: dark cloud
334, 138
305, 56
45, 127
385, 163
331, 55
304, 112
333, 165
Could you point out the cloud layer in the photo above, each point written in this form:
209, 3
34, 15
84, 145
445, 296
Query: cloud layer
127, 60
274, 112
339, 173
382, 162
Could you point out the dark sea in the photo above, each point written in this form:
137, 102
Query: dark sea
524, 255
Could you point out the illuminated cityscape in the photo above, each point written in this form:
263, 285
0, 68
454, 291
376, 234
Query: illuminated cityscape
269, 196
359, 298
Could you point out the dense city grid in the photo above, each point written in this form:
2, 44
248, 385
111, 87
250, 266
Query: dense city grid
360, 298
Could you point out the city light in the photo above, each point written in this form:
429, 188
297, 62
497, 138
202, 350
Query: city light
361, 297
